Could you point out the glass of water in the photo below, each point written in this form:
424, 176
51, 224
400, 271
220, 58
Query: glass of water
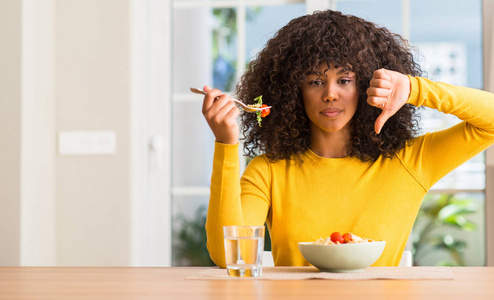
244, 246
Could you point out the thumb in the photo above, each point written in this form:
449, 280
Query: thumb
383, 117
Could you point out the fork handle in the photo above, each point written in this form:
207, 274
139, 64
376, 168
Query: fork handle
198, 91
243, 105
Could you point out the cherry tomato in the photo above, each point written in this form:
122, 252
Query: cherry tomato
265, 112
347, 237
337, 238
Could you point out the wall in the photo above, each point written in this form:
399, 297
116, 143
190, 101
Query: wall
37, 202
92, 70
64, 66
10, 144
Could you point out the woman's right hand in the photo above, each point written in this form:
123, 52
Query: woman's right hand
221, 114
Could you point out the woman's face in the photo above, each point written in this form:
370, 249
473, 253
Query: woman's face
330, 98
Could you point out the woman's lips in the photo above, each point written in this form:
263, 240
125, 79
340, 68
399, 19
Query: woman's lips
331, 112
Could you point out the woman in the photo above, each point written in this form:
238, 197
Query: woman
339, 151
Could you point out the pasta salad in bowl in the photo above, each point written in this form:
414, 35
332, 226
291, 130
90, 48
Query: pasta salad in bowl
342, 252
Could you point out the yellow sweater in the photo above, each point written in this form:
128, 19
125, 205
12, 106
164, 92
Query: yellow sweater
377, 200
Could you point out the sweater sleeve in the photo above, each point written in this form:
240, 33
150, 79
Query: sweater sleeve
431, 156
233, 201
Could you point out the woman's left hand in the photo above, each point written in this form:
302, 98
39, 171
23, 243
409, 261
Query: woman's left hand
388, 90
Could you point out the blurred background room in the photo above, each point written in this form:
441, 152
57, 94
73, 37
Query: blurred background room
105, 157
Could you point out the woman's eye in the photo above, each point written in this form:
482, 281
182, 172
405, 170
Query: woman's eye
316, 82
345, 81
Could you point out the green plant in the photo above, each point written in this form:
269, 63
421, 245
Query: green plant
224, 38
189, 247
440, 212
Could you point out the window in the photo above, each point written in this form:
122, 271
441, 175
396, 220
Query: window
447, 36
214, 40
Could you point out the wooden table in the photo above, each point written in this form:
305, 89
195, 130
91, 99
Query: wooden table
168, 283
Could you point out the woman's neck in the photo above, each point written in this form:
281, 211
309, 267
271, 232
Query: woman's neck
330, 145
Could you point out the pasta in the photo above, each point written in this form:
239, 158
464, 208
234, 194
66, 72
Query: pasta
337, 238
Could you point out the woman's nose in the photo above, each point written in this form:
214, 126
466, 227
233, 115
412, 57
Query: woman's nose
330, 94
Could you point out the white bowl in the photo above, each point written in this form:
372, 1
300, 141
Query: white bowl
342, 257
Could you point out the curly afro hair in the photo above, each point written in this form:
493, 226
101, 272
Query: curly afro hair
280, 69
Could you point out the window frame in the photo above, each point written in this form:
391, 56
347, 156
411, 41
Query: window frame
488, 43
151, 46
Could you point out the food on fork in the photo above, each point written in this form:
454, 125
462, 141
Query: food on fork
260, 114
338, 238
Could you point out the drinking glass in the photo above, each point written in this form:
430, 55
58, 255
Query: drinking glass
244, 246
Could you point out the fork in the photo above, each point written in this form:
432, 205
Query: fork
244, 106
